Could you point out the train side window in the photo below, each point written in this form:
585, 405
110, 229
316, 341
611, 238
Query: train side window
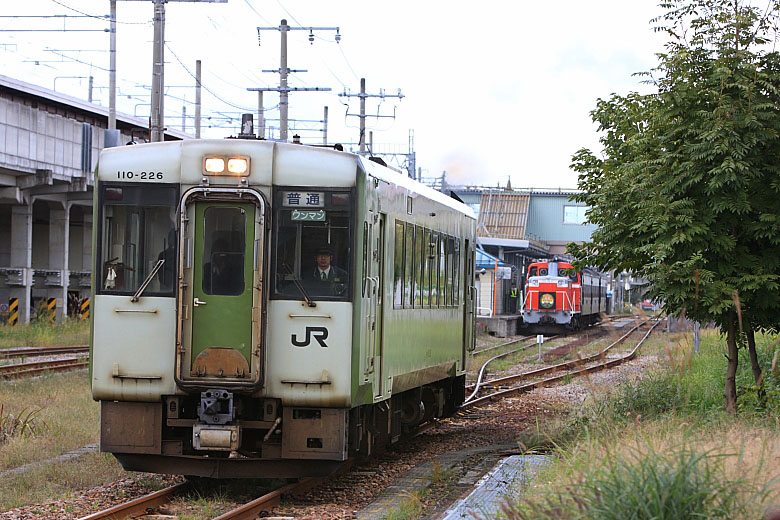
419, 253
365, 255
533, 271
442, 290
409, 267
398, 265
449, 246
434, 257
426, 254
456, 273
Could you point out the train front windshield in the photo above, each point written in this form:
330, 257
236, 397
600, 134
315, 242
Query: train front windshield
312, 250
137, 229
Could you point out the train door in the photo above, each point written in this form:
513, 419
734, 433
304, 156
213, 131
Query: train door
373, 297
221, 297
378, 258
469, 300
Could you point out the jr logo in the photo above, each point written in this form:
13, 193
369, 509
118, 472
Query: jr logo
319, 333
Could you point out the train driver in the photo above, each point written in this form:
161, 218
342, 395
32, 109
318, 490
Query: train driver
327, 277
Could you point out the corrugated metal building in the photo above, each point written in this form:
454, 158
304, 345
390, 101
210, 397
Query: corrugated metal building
556, 220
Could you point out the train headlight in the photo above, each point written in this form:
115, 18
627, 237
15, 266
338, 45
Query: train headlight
533, 283
235, 166
214, 165
563, 283
238, 166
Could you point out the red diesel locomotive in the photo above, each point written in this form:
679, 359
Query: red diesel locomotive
559, 297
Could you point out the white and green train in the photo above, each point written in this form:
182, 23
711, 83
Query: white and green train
267, 309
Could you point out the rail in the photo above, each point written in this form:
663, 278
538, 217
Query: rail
41, 351
535, 373
28, 369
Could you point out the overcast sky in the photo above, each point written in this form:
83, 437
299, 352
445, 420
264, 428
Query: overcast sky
492, 90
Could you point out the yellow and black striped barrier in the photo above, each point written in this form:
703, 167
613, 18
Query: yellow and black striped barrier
84, 309
13, 311
51, 310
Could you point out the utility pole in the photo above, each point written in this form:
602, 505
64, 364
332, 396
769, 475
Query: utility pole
325, 127
260, 116
112, 70
91, 84
197, 99
158, 71
363, 95
284, 71
157, 124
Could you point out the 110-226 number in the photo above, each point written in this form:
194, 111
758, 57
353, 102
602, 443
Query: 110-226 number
143, 176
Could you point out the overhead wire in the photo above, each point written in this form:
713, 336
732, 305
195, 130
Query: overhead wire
207, 89
257, 13
101, 17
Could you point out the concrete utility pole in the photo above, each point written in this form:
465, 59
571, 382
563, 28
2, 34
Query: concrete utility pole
197, 98
362, 95
158, 70
284, 71
260, 116
157, 124
325, 127
112, 70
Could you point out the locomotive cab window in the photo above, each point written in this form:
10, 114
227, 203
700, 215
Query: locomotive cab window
137, 230
313, 244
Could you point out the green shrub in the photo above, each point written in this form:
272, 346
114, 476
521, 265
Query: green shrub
679, 484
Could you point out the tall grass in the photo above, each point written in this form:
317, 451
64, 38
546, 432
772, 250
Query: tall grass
690, 385
44, 334
642, 482
662, 446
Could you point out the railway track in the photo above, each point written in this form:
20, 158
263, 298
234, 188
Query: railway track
41, 351
257, 508
600, 325
573, 368
18, 370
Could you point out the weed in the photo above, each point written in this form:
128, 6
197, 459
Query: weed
43, 333
410, 508
25, 423
440, 475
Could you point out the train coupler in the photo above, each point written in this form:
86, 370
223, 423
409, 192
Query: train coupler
216, 406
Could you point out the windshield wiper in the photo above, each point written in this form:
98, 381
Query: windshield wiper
148, 280
299, 286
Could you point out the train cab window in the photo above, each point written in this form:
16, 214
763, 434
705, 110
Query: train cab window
533, 271
312, 255
568, 272
136, 230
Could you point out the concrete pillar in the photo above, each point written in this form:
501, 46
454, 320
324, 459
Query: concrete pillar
87, 264
59, 240
21, 257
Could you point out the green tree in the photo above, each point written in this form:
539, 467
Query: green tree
686, 191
